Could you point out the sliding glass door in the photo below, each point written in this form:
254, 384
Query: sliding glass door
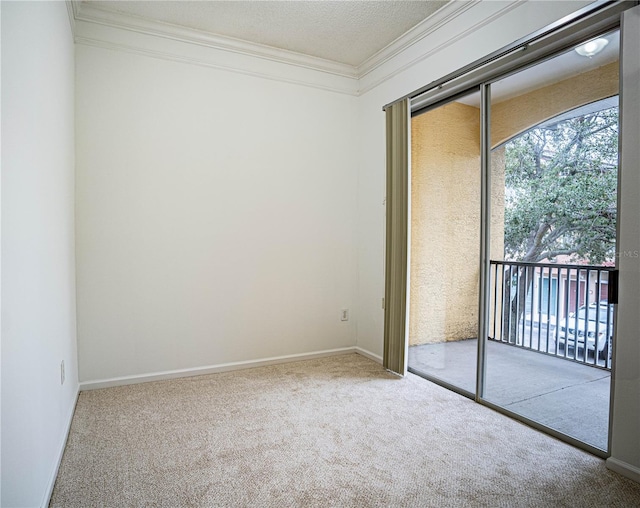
554, 151
513, 235
445, 232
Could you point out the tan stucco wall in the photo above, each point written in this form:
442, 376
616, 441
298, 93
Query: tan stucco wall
445, 215
496, 248
513, 116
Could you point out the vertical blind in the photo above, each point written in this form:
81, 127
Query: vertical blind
397, 241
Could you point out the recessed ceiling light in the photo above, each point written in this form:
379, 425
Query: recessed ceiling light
592, 47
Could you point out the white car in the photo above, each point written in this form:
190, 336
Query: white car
596, 322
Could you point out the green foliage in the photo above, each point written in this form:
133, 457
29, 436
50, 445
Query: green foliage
560, 195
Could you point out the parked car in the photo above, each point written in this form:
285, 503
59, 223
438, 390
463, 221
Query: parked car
596, 322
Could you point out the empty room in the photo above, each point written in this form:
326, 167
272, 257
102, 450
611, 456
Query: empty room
320, 253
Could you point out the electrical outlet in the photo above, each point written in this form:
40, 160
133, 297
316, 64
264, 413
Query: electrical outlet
344, 315
62, 372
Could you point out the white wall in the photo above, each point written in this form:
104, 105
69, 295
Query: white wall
477, 32
216, 216
38, 286
625, 443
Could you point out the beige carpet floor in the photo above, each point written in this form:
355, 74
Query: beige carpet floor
336, 431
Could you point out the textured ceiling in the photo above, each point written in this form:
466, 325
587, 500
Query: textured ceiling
347, 31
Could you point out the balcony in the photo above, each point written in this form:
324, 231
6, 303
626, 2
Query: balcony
548, 353
555, 309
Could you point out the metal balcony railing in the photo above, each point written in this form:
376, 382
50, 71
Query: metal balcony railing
554, 309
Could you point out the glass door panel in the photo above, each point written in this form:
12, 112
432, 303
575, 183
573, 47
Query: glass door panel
445, 236
554, 167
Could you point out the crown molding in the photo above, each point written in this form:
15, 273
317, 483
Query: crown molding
426, 27
182, 58
91, 14
97, 27
72, 17
442, 46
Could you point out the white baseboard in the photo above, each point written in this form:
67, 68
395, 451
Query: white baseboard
628, 470
369, 355
63, 444
212, 369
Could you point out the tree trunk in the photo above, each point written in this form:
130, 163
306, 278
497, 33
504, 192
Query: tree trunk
514, 313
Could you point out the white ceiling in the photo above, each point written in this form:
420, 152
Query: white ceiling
553, 70
346, 31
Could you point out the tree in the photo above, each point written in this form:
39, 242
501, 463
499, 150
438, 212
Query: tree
560, 196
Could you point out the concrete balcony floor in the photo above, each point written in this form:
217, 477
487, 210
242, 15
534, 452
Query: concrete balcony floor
569, 397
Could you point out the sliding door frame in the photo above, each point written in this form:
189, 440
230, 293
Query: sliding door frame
575, 37
587, 23
485, 236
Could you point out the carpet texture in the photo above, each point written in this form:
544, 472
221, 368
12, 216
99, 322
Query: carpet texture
337, 431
